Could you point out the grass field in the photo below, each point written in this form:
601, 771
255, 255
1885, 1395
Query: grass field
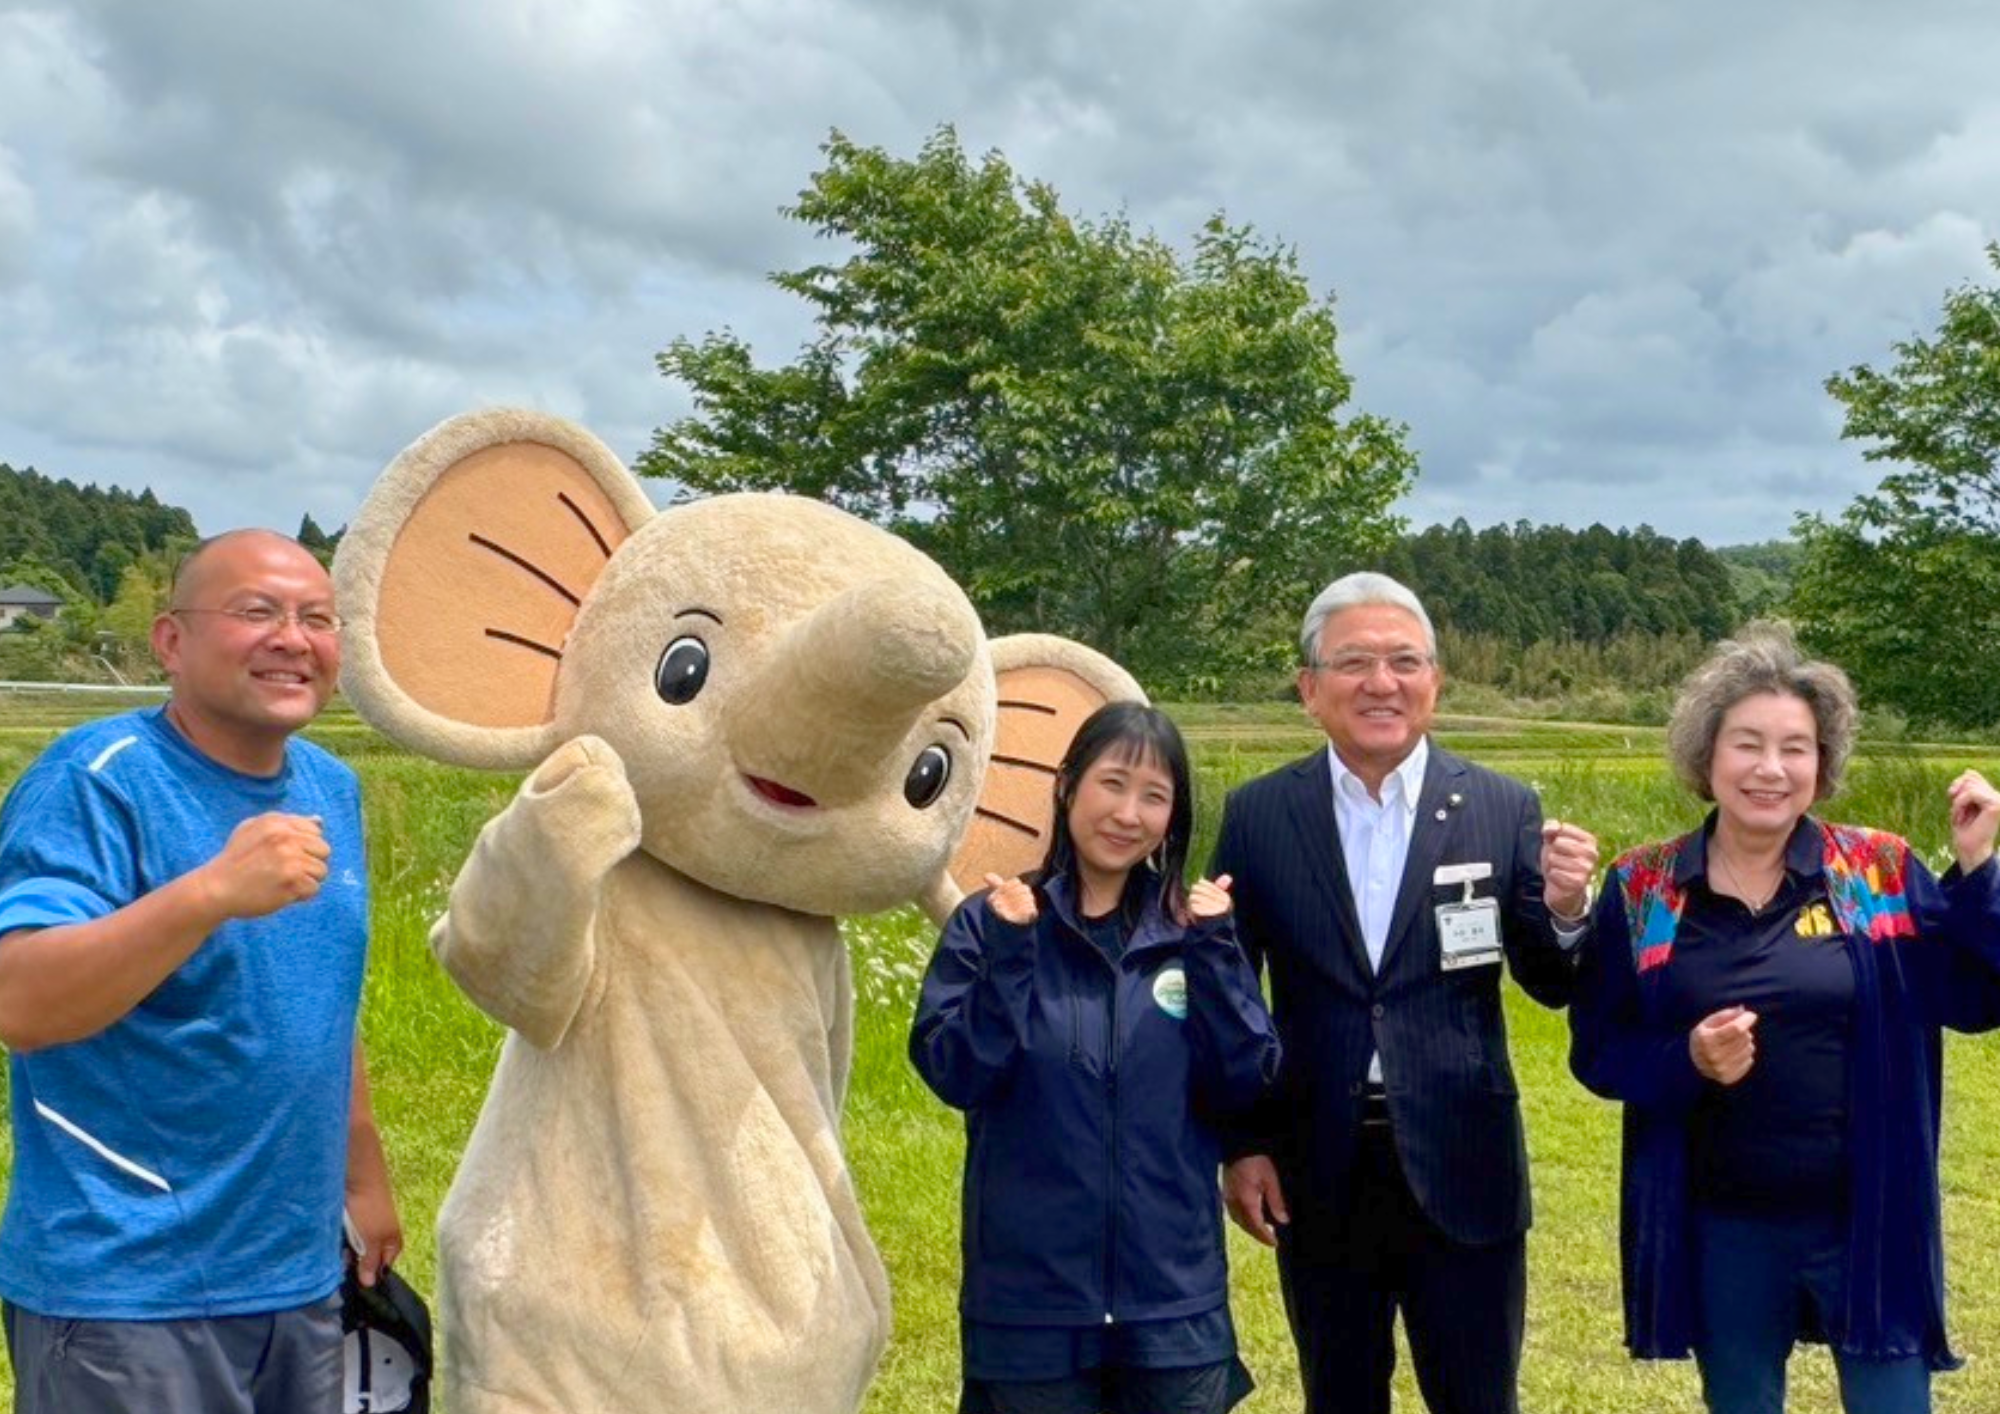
430, 1054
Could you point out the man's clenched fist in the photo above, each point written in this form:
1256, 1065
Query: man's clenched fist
270, 861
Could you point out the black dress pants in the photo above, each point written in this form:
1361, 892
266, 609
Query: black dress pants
1345, 1275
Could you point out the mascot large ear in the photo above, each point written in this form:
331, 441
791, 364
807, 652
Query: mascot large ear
1048, 685
460, 578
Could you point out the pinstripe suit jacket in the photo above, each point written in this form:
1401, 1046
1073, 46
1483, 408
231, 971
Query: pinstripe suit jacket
1441, 1035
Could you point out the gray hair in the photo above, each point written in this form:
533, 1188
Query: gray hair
1351, 591
1763, 657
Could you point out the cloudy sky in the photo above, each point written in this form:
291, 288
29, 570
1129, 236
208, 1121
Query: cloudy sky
1598, 258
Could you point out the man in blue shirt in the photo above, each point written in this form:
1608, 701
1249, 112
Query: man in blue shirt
183, 927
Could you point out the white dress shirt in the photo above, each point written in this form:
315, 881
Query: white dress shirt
1375, 842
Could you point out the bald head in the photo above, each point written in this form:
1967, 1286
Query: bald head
191, 577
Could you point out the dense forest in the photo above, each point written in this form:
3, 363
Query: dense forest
1601, 621
84, 536
1525, 583
1762, 574
1520, 583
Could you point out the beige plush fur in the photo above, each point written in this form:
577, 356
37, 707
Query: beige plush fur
654, 1211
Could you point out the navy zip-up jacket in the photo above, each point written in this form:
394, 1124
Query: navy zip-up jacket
1926, 954
1090, 1091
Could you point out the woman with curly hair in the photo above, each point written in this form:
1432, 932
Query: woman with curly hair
1765, 994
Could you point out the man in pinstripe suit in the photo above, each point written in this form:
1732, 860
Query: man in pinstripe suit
1383, 881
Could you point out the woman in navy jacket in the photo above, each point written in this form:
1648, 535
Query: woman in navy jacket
1765, 995
1093, 1025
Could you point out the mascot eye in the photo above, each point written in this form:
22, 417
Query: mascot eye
683, 669
927, 777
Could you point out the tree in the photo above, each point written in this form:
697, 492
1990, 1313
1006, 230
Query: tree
1093, 434
87, 536
1901, 586
31, 651
1761, 575
142, 593
37, 573
317, 541
1524, 583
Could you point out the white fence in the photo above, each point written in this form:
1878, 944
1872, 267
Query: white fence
154, 690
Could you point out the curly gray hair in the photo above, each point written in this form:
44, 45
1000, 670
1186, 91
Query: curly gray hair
1763, 657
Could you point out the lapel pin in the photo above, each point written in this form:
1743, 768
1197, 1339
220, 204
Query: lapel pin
1455, 800
1443, 813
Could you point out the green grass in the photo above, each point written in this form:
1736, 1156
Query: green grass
431, 1052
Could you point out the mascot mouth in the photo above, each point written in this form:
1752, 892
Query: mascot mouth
780, 795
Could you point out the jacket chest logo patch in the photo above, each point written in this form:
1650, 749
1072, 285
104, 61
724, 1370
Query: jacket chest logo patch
1170, 992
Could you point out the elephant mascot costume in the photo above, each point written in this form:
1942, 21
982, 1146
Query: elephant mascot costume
740, 718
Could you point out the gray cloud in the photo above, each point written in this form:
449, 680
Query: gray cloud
1600, 262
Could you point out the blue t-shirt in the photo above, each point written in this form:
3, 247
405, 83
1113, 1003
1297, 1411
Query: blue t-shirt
190, 1159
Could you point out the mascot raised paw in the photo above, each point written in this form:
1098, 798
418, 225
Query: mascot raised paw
740, 718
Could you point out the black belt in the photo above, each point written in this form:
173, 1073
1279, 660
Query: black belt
1374, 1107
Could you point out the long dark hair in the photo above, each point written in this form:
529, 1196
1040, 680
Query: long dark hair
1141, 735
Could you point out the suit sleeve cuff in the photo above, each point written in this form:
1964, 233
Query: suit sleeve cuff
1571, 931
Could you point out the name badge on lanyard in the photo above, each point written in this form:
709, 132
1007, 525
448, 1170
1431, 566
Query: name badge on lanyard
1468, 930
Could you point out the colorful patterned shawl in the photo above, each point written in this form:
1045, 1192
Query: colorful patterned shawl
1865, 872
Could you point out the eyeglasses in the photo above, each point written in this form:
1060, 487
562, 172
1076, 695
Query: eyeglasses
269, 618
1362, 665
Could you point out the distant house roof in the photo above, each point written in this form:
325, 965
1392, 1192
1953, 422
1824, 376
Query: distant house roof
24, 596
